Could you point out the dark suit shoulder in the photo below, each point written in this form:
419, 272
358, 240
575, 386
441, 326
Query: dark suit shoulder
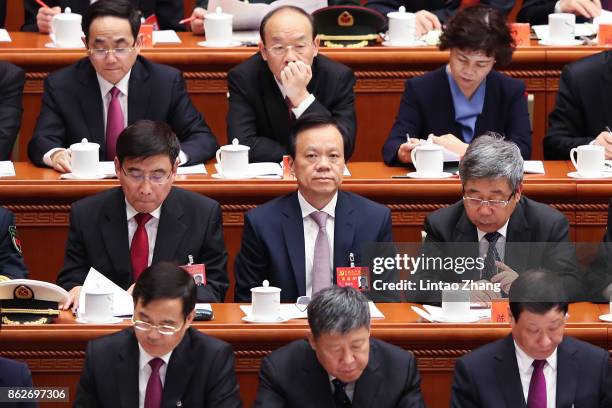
539, 213
476, 357
112, 343
389, 355
10, 72
205, 344
590, 65
289, 358
588, 352
190, 198
155, 69
14, 373
97, 202
365, 206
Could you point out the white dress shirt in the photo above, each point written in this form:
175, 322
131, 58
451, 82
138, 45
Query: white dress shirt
349, 389
311, 229
301, 108
550, 374
150, 226
144, 372
483, 244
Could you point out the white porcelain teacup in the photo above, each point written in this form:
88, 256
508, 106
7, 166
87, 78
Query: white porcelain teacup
98, 305
233, 160
456, 304
561, 28
66, 29
402, 27
265, 302
428, 159
218, 27
589, 160
85, 159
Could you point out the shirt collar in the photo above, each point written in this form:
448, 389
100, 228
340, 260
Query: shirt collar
122, 85
525, 362
131, 211
146, 357
503, 230
308, 209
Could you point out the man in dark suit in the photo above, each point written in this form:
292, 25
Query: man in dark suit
161, 361
537, 11
340, 365
37, 18
279, 242
15, 374
12, 80
11, 258
509, 233
285, 80
98, 96
535, 366
122, 230
581, 115
599, 275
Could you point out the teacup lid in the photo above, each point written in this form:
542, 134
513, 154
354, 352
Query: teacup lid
429, 145
67, 15
235, 147
401, 13
218, 15
265, 288
84, 145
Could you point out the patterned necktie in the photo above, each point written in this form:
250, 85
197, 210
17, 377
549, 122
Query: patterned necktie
537, 386
153, 395
321, 268
289, 107
340, 398
114, 123
490, 268
139, 251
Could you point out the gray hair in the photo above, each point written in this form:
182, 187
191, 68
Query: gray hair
338, 310
491, 157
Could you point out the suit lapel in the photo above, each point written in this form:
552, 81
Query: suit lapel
518, 236
139, 92
293, 235
180, 370
366, 388
508, 376
275, 106
126, 372
115, 236
170, 231
491, 94
317, 387
567, 366
344, 230
606, 88
90, 102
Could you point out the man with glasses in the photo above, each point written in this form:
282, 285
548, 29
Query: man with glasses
161, 361
494, 222
99, 96
121, 231
286, 79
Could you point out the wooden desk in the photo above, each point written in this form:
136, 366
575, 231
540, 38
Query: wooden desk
55, 353
41, 202
380, 73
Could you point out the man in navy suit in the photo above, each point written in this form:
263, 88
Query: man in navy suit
98, 96
535, 366
280, 237
161, 361
167, 223
340, 365
12, 80
15, 374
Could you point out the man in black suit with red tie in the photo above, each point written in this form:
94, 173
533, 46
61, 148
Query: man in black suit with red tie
121, 231
161, 361
98, 96
285, 80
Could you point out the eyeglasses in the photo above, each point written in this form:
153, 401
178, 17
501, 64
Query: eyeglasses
137, 176
477, 202
302, 303
280, 50
101, 53
162, 329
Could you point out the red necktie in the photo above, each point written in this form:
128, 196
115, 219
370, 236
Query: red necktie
114, 123
289, 107
153, 395
139, 251
606, 5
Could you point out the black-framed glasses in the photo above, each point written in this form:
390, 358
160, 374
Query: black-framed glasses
101, 53
156, 177
166, 330
477, 202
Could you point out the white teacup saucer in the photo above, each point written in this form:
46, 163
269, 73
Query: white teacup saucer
279, 319
53, 45
72, 176
221, 176
413, 43
606, 317
231, 44
572, 43
112, 320
574, 174
416, 175
466, 319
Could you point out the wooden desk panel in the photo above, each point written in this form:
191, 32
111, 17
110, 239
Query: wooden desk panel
55, 353
380, 73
